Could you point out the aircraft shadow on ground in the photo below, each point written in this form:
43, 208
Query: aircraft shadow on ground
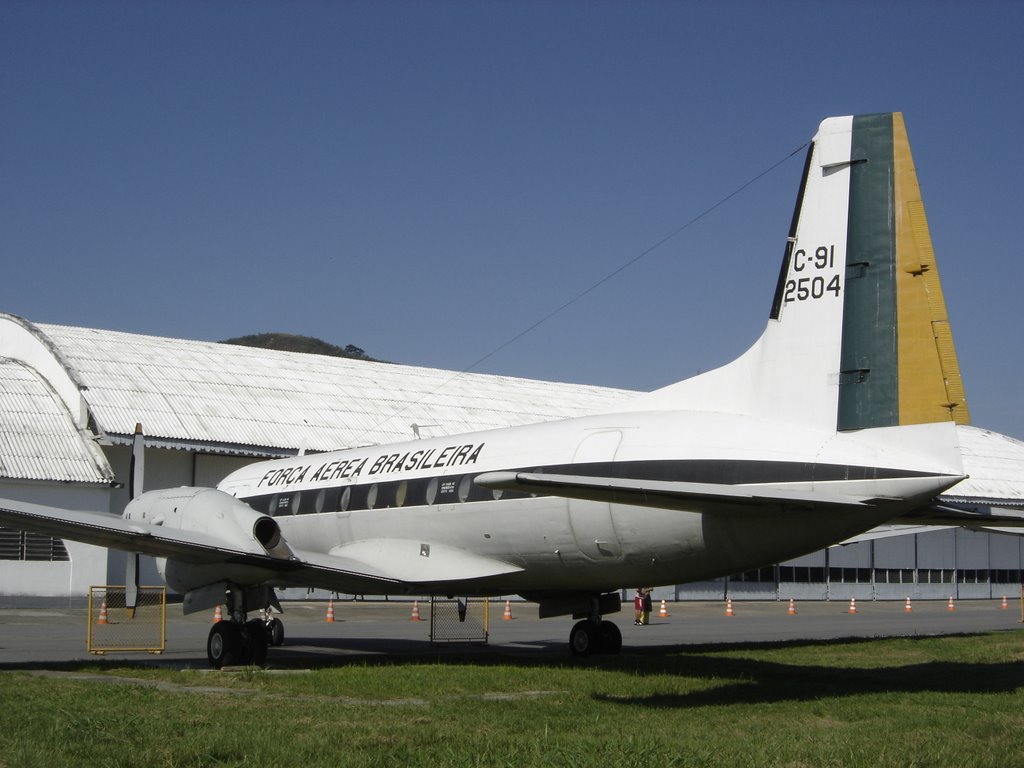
749, 681
755, 681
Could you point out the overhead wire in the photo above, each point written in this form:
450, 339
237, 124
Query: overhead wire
590, 289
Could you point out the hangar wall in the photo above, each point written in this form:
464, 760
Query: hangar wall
34, 573
936, 565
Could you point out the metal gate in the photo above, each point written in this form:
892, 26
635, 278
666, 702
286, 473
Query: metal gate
459, 620
112, 629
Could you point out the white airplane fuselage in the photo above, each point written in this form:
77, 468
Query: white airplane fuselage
394, 501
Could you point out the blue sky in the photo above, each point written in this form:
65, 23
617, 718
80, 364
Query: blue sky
427, 180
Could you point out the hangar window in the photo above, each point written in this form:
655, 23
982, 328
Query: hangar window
935, 576
758, 575
894, 576
1006, 576
972, 576
801, 574
22, 545
849, 575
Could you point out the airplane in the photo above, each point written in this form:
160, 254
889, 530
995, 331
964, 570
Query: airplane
841, 417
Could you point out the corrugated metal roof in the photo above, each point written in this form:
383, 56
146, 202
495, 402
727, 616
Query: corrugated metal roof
240, 398
994, 463
38, 438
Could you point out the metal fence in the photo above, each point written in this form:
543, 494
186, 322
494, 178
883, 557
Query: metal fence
112, 628
459, 620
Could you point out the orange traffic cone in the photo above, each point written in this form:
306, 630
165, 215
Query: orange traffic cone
1004, 605
507, 616
728, 607
907, 607
218, 615
853, 605
792, 608
330, 611
415, 611
663, 613
103, 613
950, 606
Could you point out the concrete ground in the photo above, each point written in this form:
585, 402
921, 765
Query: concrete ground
48, 635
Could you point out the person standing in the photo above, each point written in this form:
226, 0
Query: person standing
645, 617
638, 606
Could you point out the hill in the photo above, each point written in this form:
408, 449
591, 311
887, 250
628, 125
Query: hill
290, 342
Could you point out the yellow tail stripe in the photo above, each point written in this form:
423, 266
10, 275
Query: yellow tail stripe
930, 385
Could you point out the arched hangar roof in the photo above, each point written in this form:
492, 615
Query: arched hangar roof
240, 400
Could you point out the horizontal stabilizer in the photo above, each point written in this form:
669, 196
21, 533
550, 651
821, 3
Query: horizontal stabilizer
684, 496
984, 517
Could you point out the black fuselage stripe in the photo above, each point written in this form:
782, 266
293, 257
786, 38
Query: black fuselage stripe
455, 488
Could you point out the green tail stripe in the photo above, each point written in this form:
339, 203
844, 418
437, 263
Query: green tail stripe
869, 377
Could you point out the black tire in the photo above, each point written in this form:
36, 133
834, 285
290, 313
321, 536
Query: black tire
224, 645
585, 639
275, 632
611, 637
254, 642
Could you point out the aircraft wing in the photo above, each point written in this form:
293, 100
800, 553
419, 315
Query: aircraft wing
356, 568
684, 496
115, 532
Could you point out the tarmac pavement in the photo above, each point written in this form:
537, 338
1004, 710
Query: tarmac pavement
48, 635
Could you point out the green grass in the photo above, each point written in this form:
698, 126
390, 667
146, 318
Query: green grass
953, 701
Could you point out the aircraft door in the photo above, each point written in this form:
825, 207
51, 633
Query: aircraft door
591, 521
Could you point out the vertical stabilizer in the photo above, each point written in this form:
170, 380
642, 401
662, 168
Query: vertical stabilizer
858, 334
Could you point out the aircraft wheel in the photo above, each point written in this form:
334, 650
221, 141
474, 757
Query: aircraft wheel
585, 638
254, 642
611, 637
224, 645
275, 632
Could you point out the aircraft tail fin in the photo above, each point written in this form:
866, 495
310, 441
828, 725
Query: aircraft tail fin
858, 334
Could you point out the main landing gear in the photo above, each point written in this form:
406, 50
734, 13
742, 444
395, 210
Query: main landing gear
589, 637
239, 641
594, 635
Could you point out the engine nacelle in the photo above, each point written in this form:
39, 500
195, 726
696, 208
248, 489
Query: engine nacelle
219, 520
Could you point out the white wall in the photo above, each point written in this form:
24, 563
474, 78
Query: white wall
88, 564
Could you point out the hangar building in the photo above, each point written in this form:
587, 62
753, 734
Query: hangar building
71, 398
